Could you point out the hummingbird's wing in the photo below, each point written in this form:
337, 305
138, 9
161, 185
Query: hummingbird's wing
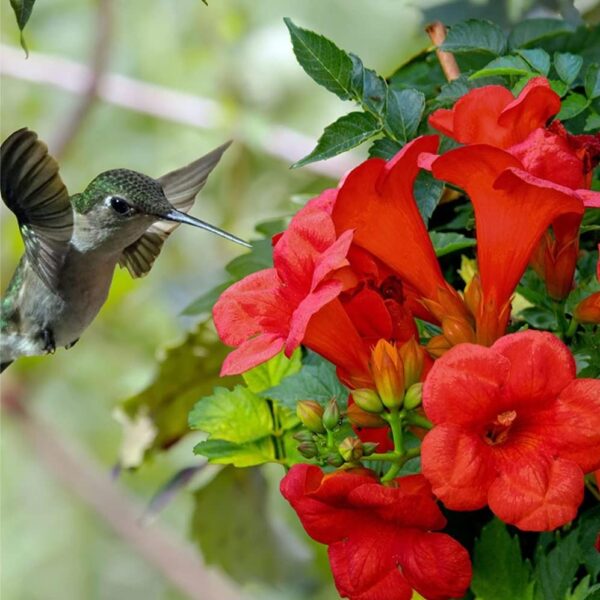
32, 188
180, 187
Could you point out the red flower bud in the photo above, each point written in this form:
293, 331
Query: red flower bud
388, 373
438, 345
588, 310
457, 331
361, 418
413, 359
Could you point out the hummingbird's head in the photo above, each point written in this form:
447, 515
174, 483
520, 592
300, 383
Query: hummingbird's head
119, 205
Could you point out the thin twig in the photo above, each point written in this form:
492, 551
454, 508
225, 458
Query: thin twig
177, 560
437, 32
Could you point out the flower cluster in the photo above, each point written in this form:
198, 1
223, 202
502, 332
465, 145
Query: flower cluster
504, 421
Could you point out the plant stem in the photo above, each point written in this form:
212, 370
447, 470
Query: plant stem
437, 32
419, 421
572, 328
394, 418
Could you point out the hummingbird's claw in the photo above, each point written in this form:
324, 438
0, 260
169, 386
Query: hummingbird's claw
48, 338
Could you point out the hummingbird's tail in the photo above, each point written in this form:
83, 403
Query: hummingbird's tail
6, 364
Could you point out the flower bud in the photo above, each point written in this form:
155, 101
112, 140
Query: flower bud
331, 416
351, 449
388, 374
457, 330
437, 346
474, 295
414, 396
334, 459
360, 418
368, 400
413, 359
369, 448
308, 449
310, 414
588, 310
303, 436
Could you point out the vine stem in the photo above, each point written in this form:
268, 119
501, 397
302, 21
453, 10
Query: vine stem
437, 33
395, 421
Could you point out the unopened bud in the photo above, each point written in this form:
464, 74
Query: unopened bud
588, 310
474, 295
438, 345
331, 416
457, 330
334, 459
413, 359
308, 449
303, 436
367, 400
351, 449
414, 396
369, 448
310, 414
388, 374
360, 418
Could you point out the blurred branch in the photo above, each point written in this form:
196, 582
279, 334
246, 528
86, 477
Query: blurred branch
437, 32
162, 102
100, 55
177, 560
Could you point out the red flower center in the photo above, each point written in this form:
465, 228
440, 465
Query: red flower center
497, 430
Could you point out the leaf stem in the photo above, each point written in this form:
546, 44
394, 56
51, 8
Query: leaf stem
419, 421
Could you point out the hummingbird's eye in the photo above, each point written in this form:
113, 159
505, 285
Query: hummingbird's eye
119, 205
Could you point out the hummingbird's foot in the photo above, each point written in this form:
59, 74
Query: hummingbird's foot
48, 339
71, 344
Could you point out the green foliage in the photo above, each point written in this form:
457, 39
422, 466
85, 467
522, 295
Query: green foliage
186, 372
499, 571
428, 192
404, 111
22, 10
474, 35
232, 526
567, 66
535, 31
446, 243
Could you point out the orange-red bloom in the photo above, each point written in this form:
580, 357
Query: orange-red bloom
381, 544
513, 429
491, 115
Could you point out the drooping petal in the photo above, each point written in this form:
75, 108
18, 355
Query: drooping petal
537, 495
251, 353
376, 201
459, 466
541, 366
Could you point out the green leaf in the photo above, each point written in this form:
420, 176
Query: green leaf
592, 123
499, 571
232, 526
572, 105
236, 415
567, 66
317, 381
537, 58
347, 132
592, 81
423, 72
531, 32
428, 192
403, 113
249, 454
322, 60
445, 243
555, 570
384, 148
22, 10
369, 88
187, 371
204, 304
271, 373
475, 35
505, 65
260, 257
558, 86
588, 528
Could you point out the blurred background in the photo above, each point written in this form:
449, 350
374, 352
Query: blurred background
151, 85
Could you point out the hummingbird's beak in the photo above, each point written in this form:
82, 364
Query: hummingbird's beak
181, 217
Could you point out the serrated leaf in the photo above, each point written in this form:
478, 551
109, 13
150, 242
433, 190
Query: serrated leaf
369, 88
505, 65
260, 257
499, 571
249, 454
428, 193
554, 570
204, 304
316, 380
532, 31
567, 66
423, 72
322, 60
22, 10
592, 123
446, 243
403, 113
384, 148
571, 106
558, 86
537, 58
592, 81
344, 134
187, 371
475, 35
232, 526
271, 373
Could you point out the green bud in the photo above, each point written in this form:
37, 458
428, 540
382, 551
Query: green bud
303, 436
351, 449
414, 396
308, 449
331, 416
369, 448
310, 414
368, 400
334, 459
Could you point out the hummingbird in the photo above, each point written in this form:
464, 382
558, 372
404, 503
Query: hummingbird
73, 243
